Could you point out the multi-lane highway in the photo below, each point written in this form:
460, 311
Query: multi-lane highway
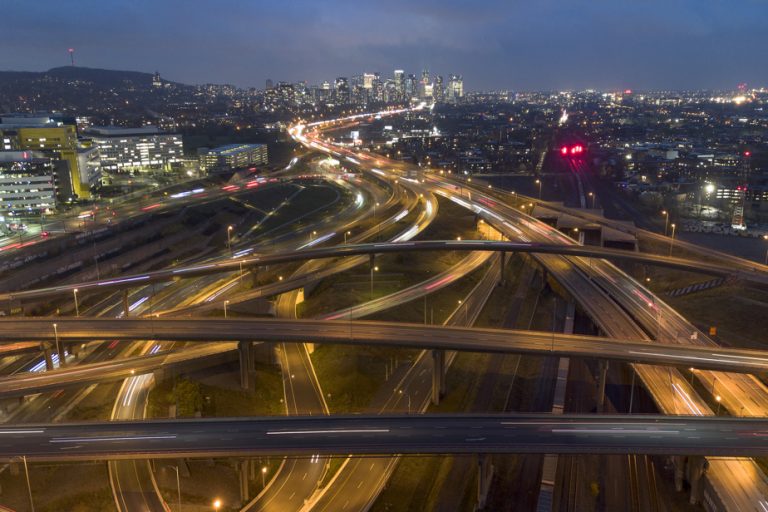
387, 435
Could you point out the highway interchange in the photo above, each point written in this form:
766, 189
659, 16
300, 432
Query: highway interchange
596, 285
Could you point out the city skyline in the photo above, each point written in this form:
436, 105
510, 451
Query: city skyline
549, 46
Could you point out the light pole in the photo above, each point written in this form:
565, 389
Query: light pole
375, 221
229, 239
77, 308
216, 504
58, 347
29, 485
718, 398
345, 236
538, 182
226, 302
592, 199
178, 484
263, 476
665, 213
672, 240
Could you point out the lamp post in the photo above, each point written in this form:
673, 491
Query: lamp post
226, 302
538, 182
229, 239
665, 213
375, 221
77, 308
592, 199
216, 504
345, 236
672, 240
29, 485
178, 484
718, 398
263, 476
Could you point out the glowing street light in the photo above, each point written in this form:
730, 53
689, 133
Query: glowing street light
672, 240
216, 504
538, 182
263, 476
229, 238
665, 213
77, 308
345, 236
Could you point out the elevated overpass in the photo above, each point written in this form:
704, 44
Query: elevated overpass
387, 435
755, 274
389, 334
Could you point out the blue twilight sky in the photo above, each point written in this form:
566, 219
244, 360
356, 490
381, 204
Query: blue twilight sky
515, 44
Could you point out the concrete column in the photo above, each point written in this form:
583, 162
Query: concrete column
244, 494
679, 463
246, 364
602, 378
438, 375
484, 477
697, 468
46, 348
503, 263
126, 307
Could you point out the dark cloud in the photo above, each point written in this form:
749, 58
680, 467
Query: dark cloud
494, 44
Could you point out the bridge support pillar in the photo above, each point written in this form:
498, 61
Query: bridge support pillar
484, 477
679, 462
126, 307
244, 469
46, 348
697, 468
503, 263
602, 378
438, 375
246, 364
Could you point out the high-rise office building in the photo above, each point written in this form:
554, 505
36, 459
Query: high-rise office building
341, 90
438, 90
410, 87
455, 89
399, 85
232, 157
423, 84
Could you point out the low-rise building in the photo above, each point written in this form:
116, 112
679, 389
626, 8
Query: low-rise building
27, 182
233, 156
137, 149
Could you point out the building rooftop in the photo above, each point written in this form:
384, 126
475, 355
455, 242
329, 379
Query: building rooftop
118, 131
230, 149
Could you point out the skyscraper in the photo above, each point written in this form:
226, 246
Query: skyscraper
410, 86
423, 84
341, 89
455, 88
438, 91
399, 85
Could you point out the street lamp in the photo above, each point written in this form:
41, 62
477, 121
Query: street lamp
216, 504
672, 240
77, 308
378, 228
718, 398
345, 236
263, 476
226, 302
538, 182
592, 199
665, 213
229, 239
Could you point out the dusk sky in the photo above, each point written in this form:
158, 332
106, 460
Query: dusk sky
510, 44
